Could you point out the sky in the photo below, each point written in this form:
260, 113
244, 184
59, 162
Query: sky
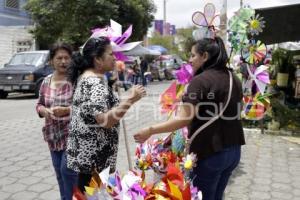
179, 12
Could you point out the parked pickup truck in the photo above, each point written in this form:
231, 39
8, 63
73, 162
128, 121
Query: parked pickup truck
24, 73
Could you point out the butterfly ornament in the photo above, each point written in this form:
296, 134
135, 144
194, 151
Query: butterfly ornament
207, 22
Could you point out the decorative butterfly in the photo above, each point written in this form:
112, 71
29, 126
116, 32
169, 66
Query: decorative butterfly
208, 21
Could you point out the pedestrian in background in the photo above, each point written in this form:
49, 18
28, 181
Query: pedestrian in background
218, 145
136, 72
144, 68
96, 111
121, 68
54, 103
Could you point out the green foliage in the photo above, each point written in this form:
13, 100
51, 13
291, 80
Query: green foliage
288, 118
282, 60
180, 44
71, 21
185, 41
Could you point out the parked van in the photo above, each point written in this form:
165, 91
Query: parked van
24, 73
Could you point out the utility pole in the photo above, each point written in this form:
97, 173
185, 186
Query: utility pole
223, 21
165, 18
241, 3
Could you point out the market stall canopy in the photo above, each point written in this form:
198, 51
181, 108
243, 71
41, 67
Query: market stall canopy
159, 48
291, 46
138, 50
129, 46
282, 24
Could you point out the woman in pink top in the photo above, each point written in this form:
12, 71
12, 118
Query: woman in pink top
54, 105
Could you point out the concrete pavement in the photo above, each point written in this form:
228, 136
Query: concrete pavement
269, 169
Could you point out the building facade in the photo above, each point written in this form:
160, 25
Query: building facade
15, 24
12, 13
169, 28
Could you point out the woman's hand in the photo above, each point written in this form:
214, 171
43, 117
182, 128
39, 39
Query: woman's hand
46, 112
137, 92
142, 135
59, 111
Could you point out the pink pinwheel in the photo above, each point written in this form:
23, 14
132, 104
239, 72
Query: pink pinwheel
114, 33
136, 191
184, 74
127, 188
102, 32
260, 77
208, 21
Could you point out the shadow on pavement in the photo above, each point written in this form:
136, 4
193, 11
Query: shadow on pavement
19, 96
237, 172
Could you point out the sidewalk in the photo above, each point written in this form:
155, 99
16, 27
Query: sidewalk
269, 169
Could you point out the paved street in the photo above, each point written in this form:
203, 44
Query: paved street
270, 166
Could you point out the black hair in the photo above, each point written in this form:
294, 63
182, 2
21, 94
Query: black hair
94, 47
217, 55
59, 46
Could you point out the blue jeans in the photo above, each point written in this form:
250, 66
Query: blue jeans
144, 80
66, 178
211, 175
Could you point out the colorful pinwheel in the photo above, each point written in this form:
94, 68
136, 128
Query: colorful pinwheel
255, 107
260, 77
208, 22
254, 53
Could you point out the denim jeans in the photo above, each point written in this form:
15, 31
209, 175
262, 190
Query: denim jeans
211, 175
66, 178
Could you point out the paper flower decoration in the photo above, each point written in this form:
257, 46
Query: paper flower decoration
189, 161
173, 186
156, 154
184, 74
253, 53
143, 155
260, 77
208, 22
256, 25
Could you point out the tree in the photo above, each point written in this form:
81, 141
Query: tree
179, 44
72, 21
185, 41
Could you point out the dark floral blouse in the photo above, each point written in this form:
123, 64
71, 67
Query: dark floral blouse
89, 145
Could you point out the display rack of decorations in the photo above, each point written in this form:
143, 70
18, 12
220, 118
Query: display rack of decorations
254, 69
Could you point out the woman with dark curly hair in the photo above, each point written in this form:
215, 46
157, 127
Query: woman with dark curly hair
96, 111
